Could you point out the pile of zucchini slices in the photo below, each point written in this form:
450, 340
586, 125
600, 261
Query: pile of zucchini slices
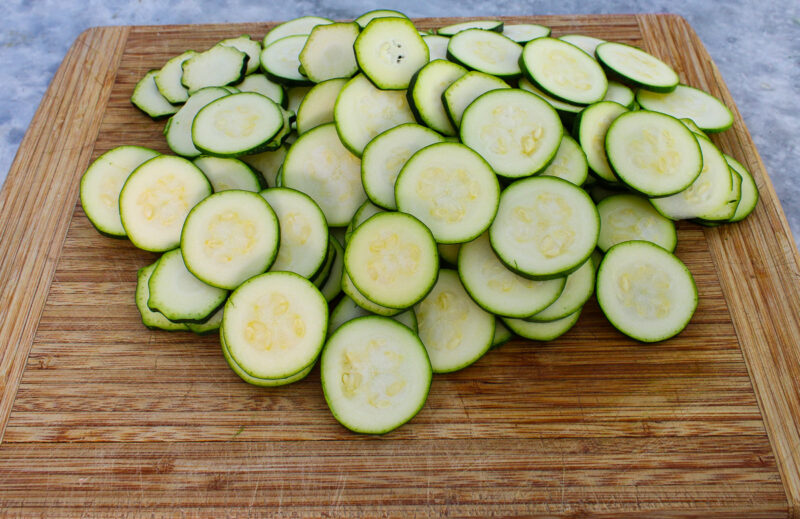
394, 203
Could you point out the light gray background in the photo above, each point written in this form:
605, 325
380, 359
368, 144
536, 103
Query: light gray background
755, 44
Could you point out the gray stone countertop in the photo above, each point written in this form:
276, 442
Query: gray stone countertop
756, 45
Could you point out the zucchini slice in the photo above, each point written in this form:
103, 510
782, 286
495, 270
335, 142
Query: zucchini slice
425, 94
486, 25
569, 163
545, 227
386, 154
749, 197
304, 231
347, 310
218, 66
280, 60
251, 48
178, 131
302, 25
178, 294
564, 71
147, 98
437, 46
363, 111
367, 17
102, 183
230, 237
499, 290
267, 163
150, 318
333, 285
525, 32
456, 331
237, 124
389, 51
587, 44
636, 67
261, 382
392, 260
627, 217
465, 90
318, 165
578, 288
561, 106
590, 130
375, 375
449, 188
515, 131
328, 52
156, 199
645, 292
168, 79
705, 110
501, 334
260, 84
486, 51
653, 153
275, 325
317, 105
358, 298
546, 331
619, 93
226, 173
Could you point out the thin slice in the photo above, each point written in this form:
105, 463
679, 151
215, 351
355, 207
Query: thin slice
708, 112
564, 108
363, 111
645, 292
636, 67
150, 318
621, 94
386, 154
156, 199
260, 382
102, 182
230, 237
333, 285
577, 290
515, 131
451, 189
487, 25
425, 94
280, 60
392, 260
317, 105
465, 90
367, 17
252, 48
347, 310
569, 163
358, 298
275, 324
328, 52
226, 173
627, 217
268, 163
178, 130
501, 334
375, 375
486, 51
546, 331
525, 32
456, 331
302, 25
389, 51
590, 132
545, 227
218, 66
178, 294
210, 325
260, 84
168, 79
437, 46
587, 44
149, 100
749, 198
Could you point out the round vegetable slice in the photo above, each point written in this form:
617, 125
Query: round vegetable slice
636, 67
486, 51
389, 51
705, 110
375, 374
627, 217
546, 331
569, 163
646, 292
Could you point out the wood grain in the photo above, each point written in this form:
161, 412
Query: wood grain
103, 417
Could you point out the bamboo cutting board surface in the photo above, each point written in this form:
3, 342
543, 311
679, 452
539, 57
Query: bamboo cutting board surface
102, 417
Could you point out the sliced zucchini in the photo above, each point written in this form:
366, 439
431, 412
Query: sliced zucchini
727, 210
456, 331
546, 331
156, 199
321, 276
304, 231
392, 260
149, 100
587, 44
645, 292
178, 294
347, 310
363, 111
449, 252
367, 17
358, 298
212, 324
102, 182
569, 163
498, 290
230, 237
333, 285
486, 51
515, 131
168, 79
317, 164
280, 60
749, 197
386, 154
225, 174
626, 217
653, 153
561, 106
178, 130
302, 25
578, 289
389, 51
487, 25
317, 105
465, 90
275, 325
218, 66
295, 95
375, 374
150, 318
425, 94
590, 132
252, 48
545, 227
363, 213
268, 163
260, 84
563, 71
261, 382
636, 67
708, 192
501, 333
328, 52
619, 93
705, 110
437, 46
237, 124
451, 189
525, 32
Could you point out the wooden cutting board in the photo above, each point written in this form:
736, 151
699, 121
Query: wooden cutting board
102, 417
